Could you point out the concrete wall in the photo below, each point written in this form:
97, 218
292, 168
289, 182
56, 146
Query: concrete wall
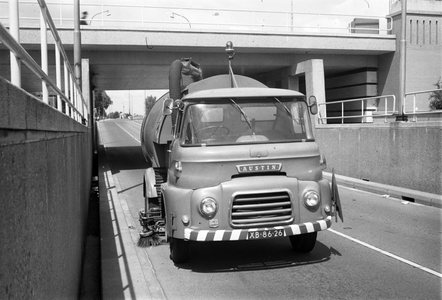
405, 155
45, 179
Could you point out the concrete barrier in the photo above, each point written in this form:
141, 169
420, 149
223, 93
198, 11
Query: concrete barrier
406, 155
45, 180
388, 190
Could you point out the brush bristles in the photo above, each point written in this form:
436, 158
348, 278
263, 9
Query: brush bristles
147, 241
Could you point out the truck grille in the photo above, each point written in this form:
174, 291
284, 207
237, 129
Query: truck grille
266, 209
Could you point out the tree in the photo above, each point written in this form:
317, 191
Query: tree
102, 102
148, 104
436, 97
114, 115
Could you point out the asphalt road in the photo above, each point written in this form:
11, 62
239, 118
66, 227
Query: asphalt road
385, 249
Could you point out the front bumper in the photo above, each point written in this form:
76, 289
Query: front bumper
243, 234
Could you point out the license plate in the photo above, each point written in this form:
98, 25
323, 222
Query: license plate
265, 234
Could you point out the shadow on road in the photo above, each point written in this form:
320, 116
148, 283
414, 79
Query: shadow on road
126, 158
252, 255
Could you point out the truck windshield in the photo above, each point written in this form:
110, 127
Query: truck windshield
227, 122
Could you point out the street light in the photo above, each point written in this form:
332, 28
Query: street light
173, 14
106, 11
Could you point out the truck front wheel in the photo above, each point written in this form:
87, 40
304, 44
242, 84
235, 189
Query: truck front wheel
303, 243
179, 250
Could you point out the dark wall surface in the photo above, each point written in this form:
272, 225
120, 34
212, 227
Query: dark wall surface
45, 180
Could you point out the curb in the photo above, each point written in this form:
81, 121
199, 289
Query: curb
393, 191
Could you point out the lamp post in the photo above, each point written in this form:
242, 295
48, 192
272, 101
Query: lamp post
173, 14
106, 11
402, 67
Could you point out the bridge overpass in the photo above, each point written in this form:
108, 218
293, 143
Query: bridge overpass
131, 59
136, 52
47, 154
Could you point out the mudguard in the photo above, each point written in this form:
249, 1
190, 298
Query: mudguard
149, 179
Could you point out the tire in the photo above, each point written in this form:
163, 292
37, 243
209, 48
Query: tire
303, 243
179, 250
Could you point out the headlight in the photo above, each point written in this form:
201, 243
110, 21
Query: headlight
208, 207
311, 200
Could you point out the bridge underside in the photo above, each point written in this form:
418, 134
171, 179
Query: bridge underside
140, 59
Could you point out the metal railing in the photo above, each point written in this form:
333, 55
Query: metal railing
163, 17
361, 110
70, 96
416, 96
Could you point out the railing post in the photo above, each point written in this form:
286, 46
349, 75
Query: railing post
414, 108
71, 95
342, 112
44, 56
362, 110
66, 85
58, 74
77, 43
14, 30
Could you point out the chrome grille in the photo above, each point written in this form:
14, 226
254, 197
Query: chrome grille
265, 209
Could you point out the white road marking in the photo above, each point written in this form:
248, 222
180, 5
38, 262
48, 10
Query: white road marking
383, 196
388, 253
128, 133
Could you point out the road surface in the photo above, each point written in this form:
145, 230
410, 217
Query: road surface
385, 249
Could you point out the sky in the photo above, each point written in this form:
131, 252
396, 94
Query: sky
131, 101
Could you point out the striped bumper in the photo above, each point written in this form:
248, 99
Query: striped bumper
243, 234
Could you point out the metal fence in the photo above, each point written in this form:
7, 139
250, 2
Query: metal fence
69, 98
361, 110
411, 98
168, 17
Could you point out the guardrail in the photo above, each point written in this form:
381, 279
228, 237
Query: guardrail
159, 17
71, 96
419, 95
361, 110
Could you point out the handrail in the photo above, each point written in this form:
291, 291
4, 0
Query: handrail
20, 53
368, 112
53, 28
413, 110
274, 20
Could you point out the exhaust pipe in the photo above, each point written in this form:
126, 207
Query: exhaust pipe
184, 66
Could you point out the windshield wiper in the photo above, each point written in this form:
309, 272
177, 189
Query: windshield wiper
244, 115
285, 107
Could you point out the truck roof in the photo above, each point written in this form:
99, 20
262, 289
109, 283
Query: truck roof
241, 92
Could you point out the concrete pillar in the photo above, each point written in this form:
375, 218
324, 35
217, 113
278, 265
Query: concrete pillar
313, 70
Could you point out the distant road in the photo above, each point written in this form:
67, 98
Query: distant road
386, 249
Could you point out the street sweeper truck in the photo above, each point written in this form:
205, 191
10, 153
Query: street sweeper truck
231, 159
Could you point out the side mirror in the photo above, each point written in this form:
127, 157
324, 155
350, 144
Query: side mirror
313, 105
167, 107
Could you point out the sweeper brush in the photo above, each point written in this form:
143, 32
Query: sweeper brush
153, 227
